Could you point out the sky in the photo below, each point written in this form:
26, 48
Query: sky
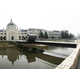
41, 14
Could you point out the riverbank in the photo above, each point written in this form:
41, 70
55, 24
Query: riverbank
5, 44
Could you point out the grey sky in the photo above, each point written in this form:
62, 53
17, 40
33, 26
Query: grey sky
46, 14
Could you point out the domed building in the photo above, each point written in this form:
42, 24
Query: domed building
12, 33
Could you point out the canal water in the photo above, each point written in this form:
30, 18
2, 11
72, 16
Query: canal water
78, 64
25, 58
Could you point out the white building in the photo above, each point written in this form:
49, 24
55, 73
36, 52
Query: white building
35, 31
51, 34
12, 33
54, 34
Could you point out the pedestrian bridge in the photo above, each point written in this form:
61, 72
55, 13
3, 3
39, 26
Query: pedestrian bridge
61, 44
53, 43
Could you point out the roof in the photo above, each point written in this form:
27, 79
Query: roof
23, 30
10, 23
1, 30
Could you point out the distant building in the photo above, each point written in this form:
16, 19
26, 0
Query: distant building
12, 33
35, 31
54, 34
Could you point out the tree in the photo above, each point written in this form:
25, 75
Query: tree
62, 34
66, 35
41, 35
71, 36
46, 35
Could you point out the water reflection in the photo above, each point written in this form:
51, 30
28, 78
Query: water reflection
13, 54
31, 55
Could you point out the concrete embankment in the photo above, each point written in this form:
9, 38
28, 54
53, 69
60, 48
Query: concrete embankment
71, 61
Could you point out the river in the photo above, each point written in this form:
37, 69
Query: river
23, 58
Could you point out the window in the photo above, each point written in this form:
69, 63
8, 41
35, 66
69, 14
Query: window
4, 38
1, 38
23, 38
12, 38
19, 37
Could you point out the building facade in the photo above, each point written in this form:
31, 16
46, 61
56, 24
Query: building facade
35, 31
54, 34
12, 33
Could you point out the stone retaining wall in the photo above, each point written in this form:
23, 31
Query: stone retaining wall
71, 61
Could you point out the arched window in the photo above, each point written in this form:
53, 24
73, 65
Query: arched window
12, 38
1, 38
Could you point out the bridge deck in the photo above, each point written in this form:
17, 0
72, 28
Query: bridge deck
53, 43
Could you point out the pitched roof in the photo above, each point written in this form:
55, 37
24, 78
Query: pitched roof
23, 30
1, 30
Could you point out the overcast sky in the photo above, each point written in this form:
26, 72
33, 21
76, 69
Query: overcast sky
46, 14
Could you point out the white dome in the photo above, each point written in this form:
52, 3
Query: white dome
11, 25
